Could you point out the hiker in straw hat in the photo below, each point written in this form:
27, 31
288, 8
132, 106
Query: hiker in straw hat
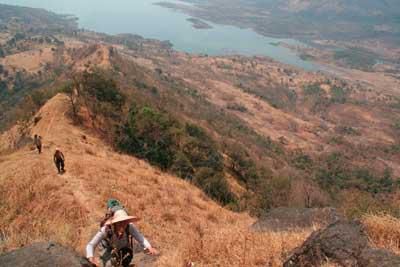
118, 231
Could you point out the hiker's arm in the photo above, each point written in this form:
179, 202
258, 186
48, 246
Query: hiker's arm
62, 155
91, 246
139, 237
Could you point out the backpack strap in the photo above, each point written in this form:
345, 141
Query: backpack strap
129, 236
109, 234
106, 242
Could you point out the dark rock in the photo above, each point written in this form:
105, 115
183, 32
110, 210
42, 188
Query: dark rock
287, 218
43, 255
371, 257
344, 243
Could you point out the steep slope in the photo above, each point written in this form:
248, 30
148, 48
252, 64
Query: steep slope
37, 204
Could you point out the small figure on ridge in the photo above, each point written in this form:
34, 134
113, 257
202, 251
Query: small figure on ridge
38, 142
59, 160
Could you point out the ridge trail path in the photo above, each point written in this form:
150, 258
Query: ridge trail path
56, 131
84, 158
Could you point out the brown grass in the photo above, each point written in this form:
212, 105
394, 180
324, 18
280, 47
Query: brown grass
30, 209
31, 61
177, 218
383, 231
237, 246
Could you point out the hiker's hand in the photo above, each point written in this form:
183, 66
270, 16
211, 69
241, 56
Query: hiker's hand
151, 251
94, 261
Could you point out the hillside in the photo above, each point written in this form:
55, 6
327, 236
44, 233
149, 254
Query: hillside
38, 204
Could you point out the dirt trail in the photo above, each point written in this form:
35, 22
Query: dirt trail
85, 197
56, 131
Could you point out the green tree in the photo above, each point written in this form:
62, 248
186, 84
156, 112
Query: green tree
18, 81
243, 166
182, 166
184, 149
333, 173
100, 95
3, 85
69, 90
214, 185
38, 98
149, 134
313, 90
339, 95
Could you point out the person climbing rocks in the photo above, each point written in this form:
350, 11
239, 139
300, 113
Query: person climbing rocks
38, 142
119, 231
112, 206
59, 160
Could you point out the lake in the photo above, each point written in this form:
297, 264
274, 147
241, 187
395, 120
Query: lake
145, 18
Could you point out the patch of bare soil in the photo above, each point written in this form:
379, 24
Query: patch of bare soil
30, 61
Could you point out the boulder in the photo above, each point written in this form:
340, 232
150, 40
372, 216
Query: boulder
45, 254
344, 243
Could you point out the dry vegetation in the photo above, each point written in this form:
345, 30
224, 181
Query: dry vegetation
37, 204
177, 217
383, 230
31, 61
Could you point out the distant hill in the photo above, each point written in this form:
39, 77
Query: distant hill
306, 19
356, 8
35, 18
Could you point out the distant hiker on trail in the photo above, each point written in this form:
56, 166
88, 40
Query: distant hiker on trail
38, 142
59, 160
118, 232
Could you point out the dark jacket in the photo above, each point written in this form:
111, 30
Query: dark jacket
58, 156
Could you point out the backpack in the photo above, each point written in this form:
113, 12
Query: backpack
122, 257
109, 234
112, 206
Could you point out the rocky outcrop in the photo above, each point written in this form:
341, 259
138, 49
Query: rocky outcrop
344, 243
286, 218
43, 255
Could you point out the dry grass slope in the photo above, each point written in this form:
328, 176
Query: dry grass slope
37, 204
384, 231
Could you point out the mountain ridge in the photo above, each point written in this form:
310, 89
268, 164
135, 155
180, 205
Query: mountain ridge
70, 206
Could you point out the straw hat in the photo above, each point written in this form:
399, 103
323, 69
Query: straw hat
121, 216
